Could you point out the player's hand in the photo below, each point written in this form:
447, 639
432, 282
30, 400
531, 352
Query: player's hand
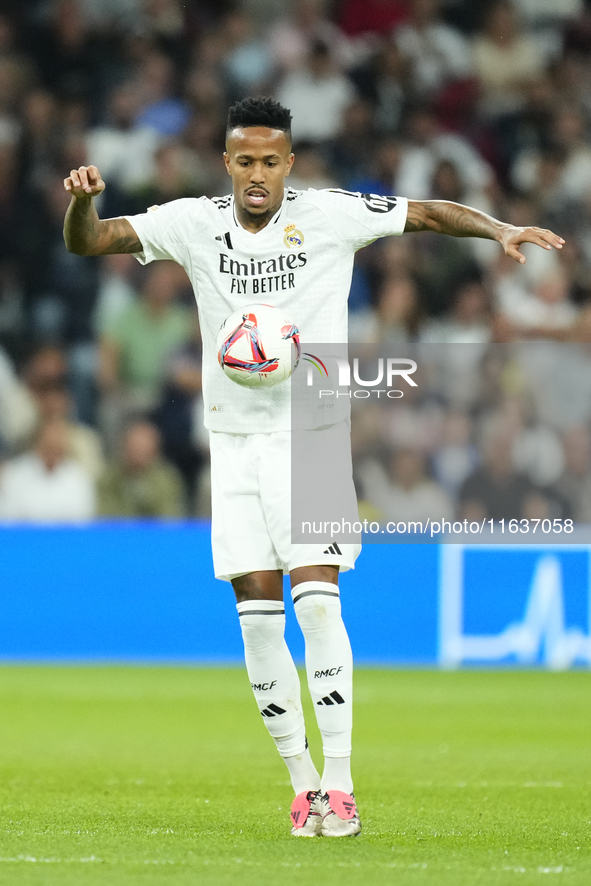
512, 238
85, 181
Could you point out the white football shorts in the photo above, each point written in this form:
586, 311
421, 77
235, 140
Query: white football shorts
251, 504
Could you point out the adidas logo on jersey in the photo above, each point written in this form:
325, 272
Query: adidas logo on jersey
333, 549
333, 698
225, 238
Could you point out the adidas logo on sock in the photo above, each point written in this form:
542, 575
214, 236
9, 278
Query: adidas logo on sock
272, 710
333, 549
328, 699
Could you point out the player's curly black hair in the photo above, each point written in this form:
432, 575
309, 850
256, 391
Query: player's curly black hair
259, 111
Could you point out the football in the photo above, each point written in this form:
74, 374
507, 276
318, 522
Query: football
258, 346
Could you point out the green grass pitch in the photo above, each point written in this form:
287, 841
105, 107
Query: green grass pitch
144, 775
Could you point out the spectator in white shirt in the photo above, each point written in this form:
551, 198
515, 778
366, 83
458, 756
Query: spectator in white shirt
45, 485
437, 52
537, 312
467, 321
428, 145
455, 370
17, 408
317, 95
561, 176
124, 150
575, 482
506, 61
396, 318
291, 37
405, 492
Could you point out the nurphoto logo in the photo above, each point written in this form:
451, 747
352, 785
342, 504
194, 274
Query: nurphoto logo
387, 371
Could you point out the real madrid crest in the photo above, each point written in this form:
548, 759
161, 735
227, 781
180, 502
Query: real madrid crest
293, 237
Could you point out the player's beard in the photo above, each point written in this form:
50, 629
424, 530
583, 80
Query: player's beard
259, 219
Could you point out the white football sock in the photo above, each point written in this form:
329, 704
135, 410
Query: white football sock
329, 666
304, 775
337, 775
276, 686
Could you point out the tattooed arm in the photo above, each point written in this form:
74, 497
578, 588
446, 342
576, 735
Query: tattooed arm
463, 221
84, 232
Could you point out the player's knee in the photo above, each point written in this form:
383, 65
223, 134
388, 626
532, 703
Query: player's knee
317, 606
323, 573
318, 612
258, 586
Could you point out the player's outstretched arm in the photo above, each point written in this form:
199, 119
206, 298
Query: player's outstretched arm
84, 232
443, 217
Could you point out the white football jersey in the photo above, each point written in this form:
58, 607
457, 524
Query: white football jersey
301, 262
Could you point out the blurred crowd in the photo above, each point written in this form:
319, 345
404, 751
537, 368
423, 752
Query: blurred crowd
483, 103
490, 432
